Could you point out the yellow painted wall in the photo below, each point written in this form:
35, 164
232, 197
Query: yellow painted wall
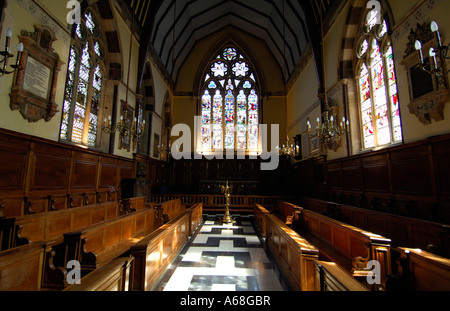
17, 18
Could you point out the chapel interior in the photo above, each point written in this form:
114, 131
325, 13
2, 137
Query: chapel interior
225, 145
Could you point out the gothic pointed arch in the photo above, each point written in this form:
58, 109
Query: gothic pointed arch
230, 103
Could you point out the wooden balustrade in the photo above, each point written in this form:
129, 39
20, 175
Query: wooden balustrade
114, 276
330, 277
154, 253
21, 267
95, 245
216, 203
350, 247
295, 255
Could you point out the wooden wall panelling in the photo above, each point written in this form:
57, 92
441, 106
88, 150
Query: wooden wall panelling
14, 159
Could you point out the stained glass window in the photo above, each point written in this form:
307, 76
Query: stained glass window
82, 100
230, 104
378, 96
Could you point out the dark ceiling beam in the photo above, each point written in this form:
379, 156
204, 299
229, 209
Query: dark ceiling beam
315, 35
256, 25
200, 14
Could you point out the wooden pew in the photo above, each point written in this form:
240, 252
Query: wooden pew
330, 277
350, 247
172, 209
21, 267
113, 276
403, 231
156, 252
260, 218
287, 212
295, 255
52, 225
420, 271
95, 245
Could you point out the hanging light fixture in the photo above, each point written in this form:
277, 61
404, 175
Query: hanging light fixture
126, 127
288, 149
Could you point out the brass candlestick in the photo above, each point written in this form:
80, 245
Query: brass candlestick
226, 190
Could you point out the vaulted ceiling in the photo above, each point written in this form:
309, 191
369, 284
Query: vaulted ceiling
171, 28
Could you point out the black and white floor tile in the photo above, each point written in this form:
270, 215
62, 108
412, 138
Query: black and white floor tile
223, 257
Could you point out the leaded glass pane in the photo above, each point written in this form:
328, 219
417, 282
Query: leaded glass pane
90, 23
230, 54
219, 69
240, 69
234, 107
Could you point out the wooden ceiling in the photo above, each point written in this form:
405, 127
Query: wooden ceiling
173, 27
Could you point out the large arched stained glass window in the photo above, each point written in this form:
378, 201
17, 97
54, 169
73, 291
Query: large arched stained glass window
378, 97
230, 104
80, 118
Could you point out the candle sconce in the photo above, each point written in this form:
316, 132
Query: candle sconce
127, 128
425, 63
438, 54
7, 55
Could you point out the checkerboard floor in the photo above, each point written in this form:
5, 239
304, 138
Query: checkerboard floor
223, 257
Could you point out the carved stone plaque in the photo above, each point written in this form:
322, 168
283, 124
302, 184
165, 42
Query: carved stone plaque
37, 78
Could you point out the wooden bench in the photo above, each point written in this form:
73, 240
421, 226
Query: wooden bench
172, 209
295, 255
420, 271
350, 247
330, 277
52, 225
113, 276
95, 245
156, 252
260, 218
287, 212
403, 231
21, 268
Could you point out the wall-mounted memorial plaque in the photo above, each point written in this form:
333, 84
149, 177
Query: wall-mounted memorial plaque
427, 97
34, 89
37, 78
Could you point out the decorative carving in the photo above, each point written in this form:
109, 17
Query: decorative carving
34, 89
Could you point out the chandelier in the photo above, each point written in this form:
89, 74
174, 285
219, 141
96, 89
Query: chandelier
330, 132
288, 150
126, 127
165, 152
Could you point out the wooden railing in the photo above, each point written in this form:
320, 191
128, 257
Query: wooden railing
154, 253
243, 203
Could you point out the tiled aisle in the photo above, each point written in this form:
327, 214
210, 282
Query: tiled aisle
222, 257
